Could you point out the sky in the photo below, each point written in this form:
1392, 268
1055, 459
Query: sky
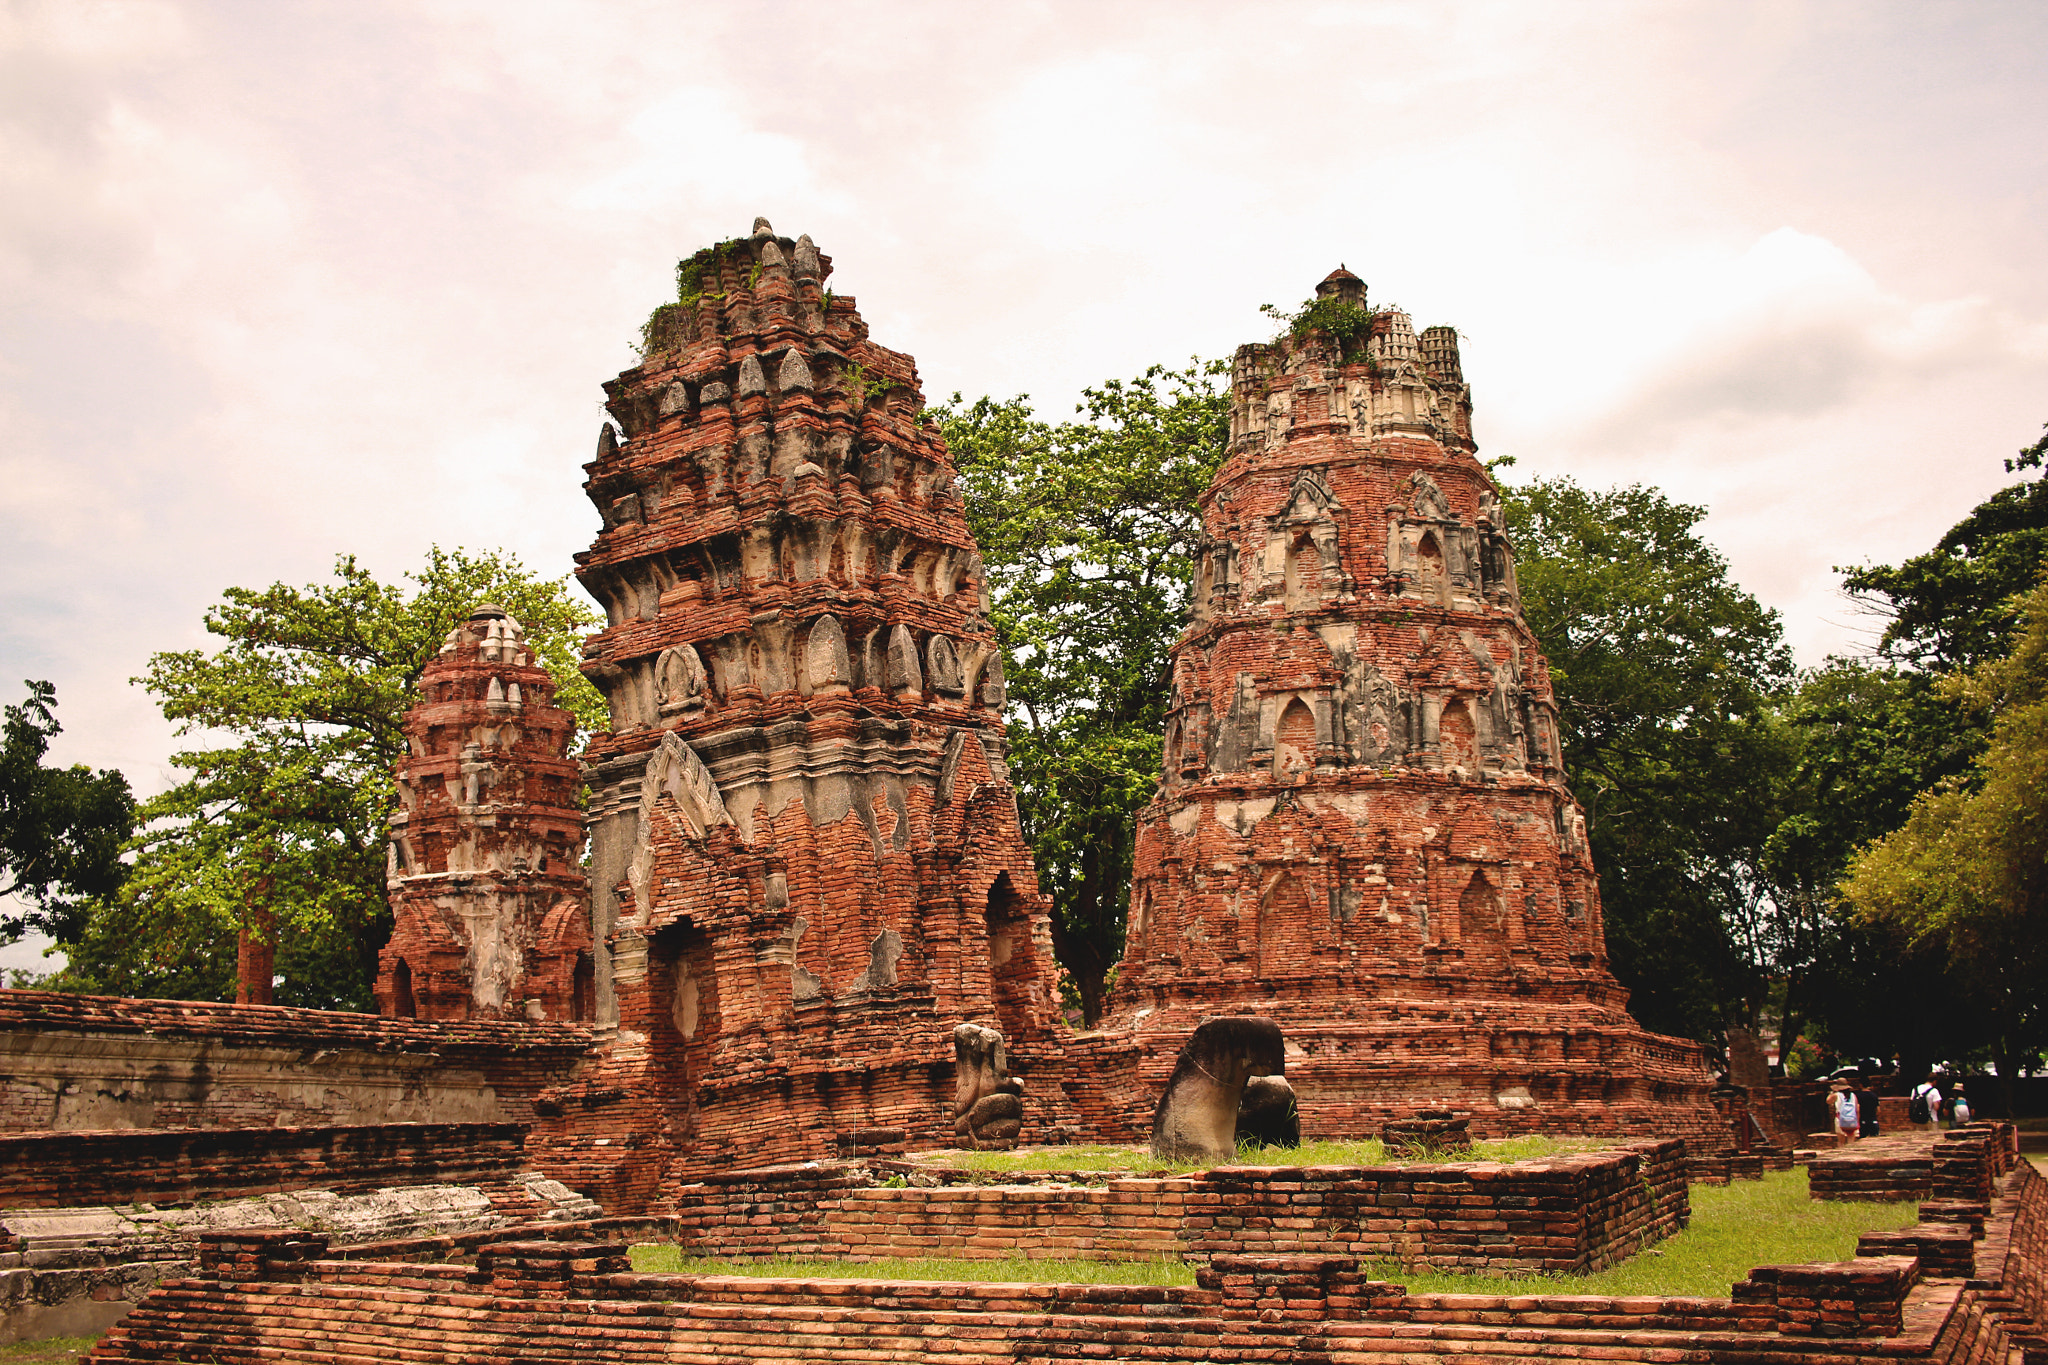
280, 282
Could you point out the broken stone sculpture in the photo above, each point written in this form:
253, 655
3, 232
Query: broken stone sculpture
1267, 1114
1197, 1116
988, 1105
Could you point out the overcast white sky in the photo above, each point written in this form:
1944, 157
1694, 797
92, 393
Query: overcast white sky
284, 280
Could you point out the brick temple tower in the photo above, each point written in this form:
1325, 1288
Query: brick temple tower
807, 867
490, 907
1362, 829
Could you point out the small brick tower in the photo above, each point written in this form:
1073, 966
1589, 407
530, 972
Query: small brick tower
806, 861
1362, 830
490, 907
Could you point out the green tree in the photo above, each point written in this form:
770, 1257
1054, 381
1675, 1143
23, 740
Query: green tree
61, 829
1087, 529
282, 818
1665, 671
1968, 870
1950, 607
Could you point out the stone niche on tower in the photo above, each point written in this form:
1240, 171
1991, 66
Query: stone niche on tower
490, 907
806, 862
1362, 830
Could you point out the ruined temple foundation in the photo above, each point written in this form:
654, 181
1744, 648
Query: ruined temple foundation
1362, 830
806, 863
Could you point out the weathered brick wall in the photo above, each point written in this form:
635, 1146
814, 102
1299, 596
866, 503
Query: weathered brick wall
102, 1062
1565, 1214
178, 1165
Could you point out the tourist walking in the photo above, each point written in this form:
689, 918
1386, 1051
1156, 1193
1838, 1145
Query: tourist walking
1924, 1109
1842, 1101
1958, 1106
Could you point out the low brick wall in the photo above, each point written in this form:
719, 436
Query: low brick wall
179, 1165
1959, 1164
1564, 1214
89, 1063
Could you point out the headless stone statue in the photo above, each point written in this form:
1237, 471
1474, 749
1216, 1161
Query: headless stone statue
1197, 1116
988, 1105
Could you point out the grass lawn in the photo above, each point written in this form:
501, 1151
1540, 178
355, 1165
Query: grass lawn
1734, 1227
55, 1351
1138, 1160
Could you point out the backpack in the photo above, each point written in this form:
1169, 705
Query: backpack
1917, 1111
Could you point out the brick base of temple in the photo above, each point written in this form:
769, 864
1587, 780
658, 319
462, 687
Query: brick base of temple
285, 1296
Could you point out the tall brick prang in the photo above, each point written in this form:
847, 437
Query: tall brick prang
490, 907
1362, 830
806, 860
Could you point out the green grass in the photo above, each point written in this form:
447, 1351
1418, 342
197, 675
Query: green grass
669, 1260
1734, 1227
1136, 1160
49, 1351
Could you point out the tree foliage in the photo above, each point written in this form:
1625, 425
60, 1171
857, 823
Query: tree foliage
1950, 607
284, 808
1968, 870
1087, 529
1664, 671
61, 829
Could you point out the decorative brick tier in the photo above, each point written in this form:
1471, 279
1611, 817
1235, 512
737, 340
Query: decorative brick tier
90, 1062
283, 1298
1362, 829
1562, 1215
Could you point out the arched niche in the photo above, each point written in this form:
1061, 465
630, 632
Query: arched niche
403, 1005
1012, 959
1294, 742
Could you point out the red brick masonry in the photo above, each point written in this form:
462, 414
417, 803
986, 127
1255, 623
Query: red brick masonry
181, 1165
277, 1297
1565, 1214
89, 1062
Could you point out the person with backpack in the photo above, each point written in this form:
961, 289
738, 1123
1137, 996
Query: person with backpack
1842, 1101
1924, 1109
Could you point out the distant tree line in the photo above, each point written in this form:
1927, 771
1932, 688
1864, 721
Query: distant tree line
1854, 852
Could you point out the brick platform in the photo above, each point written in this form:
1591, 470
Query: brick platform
1561, 1215
1960, 1164
285, 1299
